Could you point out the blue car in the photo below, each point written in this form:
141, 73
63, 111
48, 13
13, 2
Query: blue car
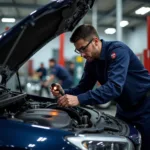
29, 122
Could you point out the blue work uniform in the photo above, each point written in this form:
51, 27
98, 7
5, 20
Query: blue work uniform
62, 74
44, 73
124, 79
43, 79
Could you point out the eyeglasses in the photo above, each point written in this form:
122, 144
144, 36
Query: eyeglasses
82, 49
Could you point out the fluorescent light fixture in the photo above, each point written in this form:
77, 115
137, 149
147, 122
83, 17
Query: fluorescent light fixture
11, 20
110, 31
142, 10
124, 23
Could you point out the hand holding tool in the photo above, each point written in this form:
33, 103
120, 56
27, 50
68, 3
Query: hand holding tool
55, 87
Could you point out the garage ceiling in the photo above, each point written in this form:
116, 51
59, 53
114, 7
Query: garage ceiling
106, 10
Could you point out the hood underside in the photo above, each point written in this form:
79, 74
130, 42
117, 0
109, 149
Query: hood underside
19, 43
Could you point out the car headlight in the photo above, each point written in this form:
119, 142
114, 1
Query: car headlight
98, 142
96, 145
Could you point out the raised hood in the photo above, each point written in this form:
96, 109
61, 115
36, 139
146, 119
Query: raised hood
19, 43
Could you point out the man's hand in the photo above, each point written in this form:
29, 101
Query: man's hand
68, 101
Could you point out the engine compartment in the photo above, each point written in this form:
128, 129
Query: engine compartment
44, 111
41, 111
54, 116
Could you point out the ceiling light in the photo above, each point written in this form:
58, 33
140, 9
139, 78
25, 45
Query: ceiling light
8, 20
110, 31
0, 36
124, 23
142, 10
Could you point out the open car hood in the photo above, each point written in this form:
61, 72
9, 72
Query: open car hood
19, 43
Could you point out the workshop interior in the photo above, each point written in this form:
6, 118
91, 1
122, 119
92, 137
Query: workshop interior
34, 35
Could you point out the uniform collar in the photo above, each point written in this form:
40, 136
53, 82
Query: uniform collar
102, 54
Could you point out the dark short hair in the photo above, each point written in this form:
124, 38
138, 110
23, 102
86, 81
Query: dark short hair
85, 32
52, 60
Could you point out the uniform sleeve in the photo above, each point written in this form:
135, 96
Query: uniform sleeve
118, 62
54, 71
86, 83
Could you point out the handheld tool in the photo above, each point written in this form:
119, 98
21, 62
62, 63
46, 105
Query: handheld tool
55, 87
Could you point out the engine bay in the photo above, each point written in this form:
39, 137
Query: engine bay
43, 111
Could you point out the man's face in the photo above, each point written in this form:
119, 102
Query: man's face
42, 65
88, 49
51, 64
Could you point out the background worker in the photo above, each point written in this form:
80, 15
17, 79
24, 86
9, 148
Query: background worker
42, 73
57, 71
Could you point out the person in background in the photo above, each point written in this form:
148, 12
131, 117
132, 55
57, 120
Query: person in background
122, 76
71, 69
59, 72
42, 73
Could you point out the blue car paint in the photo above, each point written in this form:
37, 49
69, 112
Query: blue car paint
21, 135
134, 135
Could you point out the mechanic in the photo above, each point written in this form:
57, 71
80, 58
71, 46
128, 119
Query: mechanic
42, 73
59, 72
122, 77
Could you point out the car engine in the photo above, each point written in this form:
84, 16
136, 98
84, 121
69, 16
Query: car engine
45, 111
